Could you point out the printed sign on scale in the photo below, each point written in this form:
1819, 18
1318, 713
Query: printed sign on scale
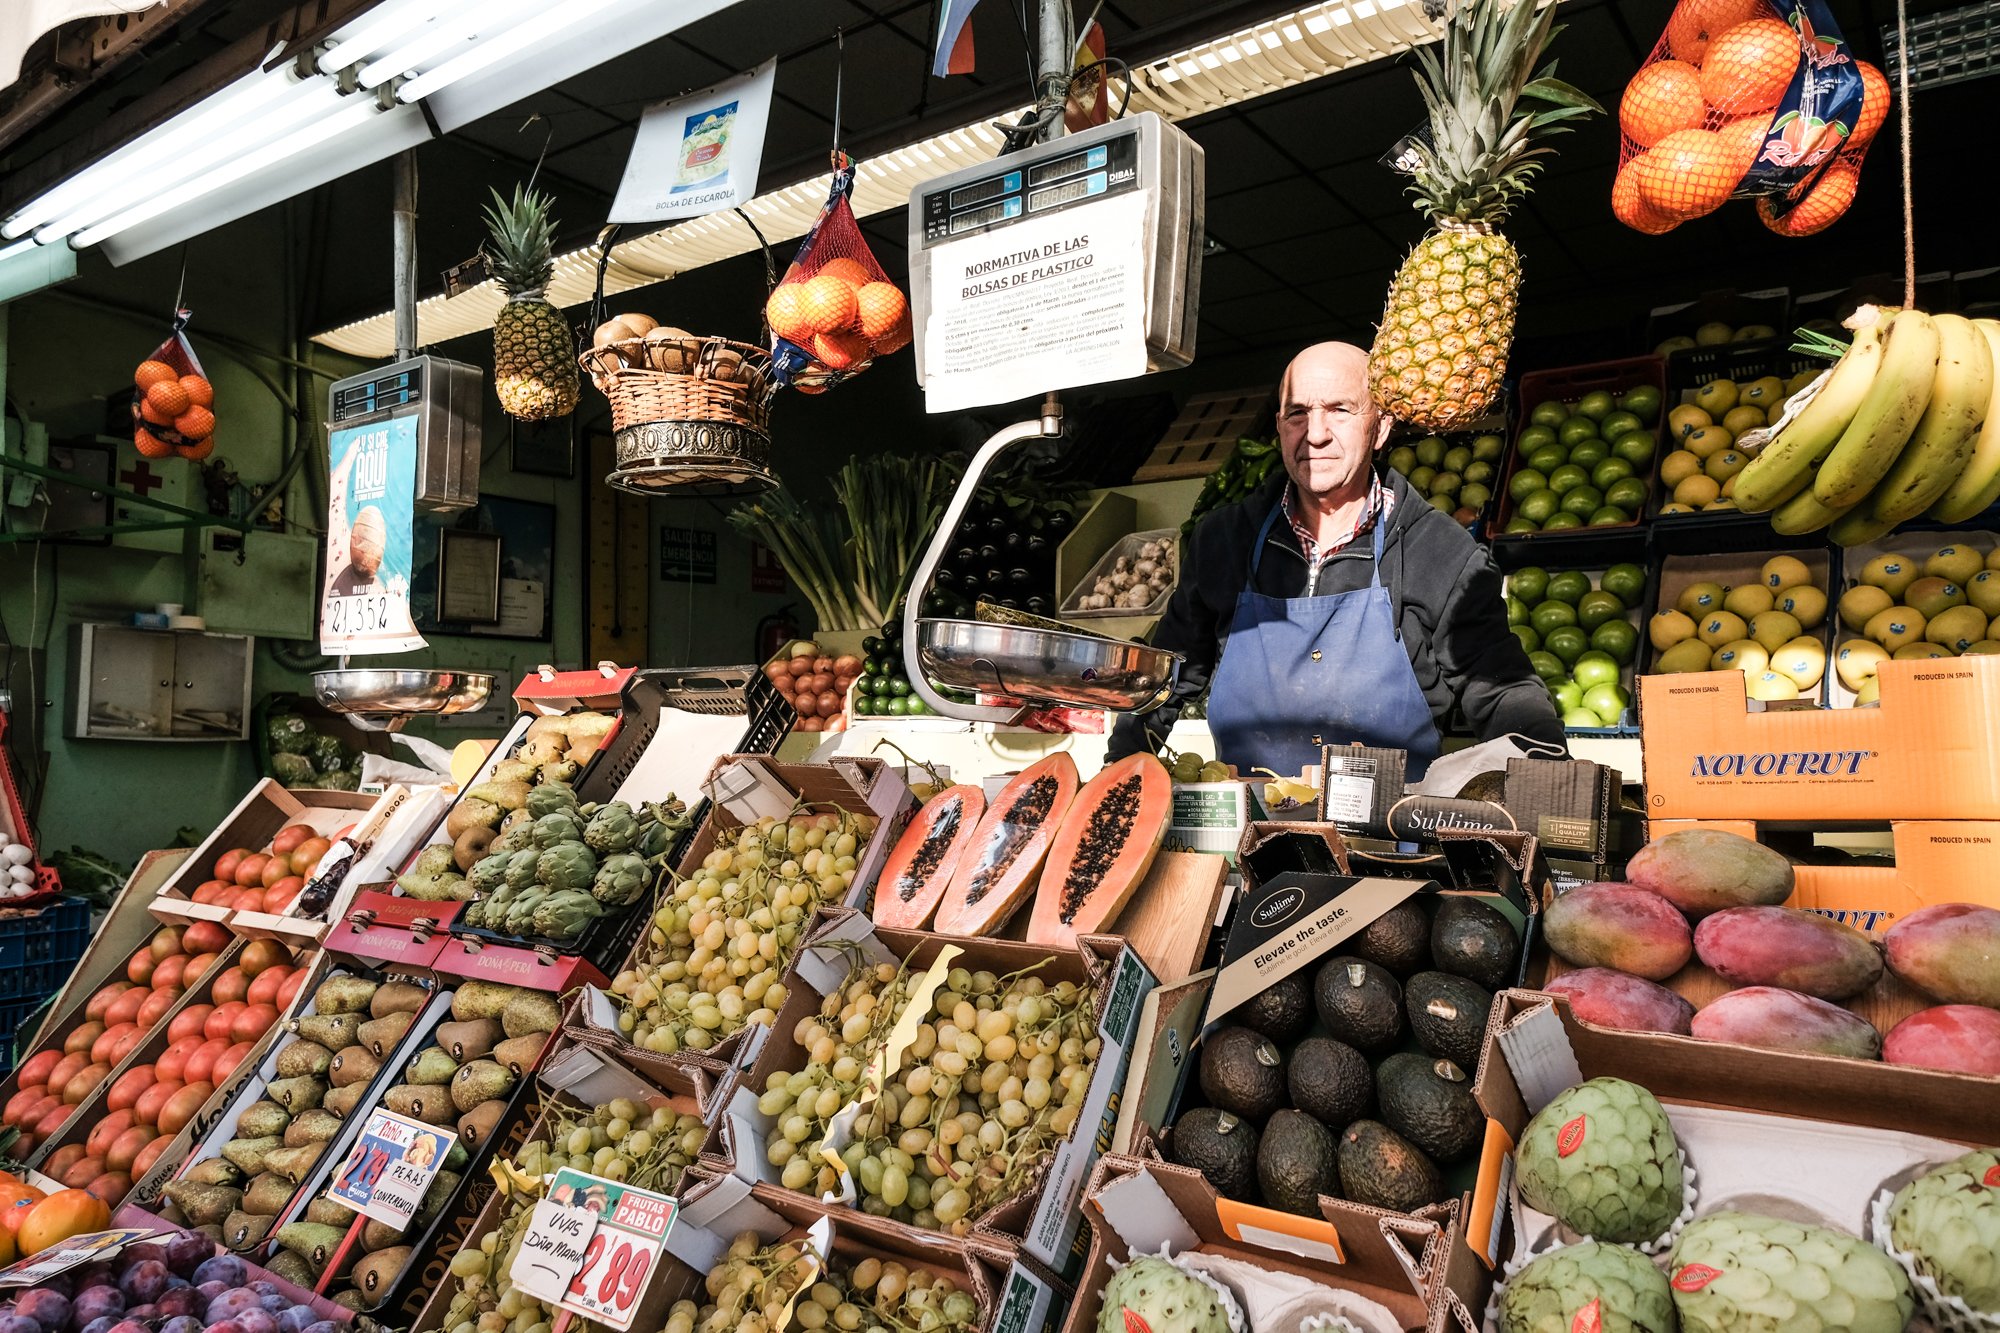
391, 1167
697, 154
593, 1246
371, 517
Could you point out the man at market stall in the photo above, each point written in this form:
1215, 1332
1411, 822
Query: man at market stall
1335, 605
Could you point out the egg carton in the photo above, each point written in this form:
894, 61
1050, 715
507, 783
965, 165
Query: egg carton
1130, 550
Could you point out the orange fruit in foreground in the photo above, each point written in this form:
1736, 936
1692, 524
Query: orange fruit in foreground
785, 313
66, 1213
840, 351
1743, 140
1698, 22
1662, 97
196, 452
150, 373
897, 339
849, 271
827, 304
150, 445
197, 423
1749, 67
168, 397
882, 307
1632, 210
1687, 174
1831, 196
1874, 104
199, 391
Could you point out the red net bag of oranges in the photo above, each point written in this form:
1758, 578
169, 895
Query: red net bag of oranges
173, 404
1747, 99
835, 310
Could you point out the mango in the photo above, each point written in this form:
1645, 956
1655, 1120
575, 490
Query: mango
1608, 999
1950, 952
1785, 947
1963, 1038
1707, 870
1618, 926
1783, 1020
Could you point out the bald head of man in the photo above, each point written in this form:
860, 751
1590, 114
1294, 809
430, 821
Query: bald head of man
1328, 425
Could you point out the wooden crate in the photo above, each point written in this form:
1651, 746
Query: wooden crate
1205, 432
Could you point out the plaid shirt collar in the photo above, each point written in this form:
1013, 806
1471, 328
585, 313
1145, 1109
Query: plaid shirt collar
1381, 502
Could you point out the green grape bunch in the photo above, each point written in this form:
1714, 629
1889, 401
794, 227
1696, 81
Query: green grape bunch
749, 1290
622, 1140
994, 1079
720, 939
484, 1298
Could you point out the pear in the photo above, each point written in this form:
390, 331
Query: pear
244, 1231
300, 1057
439, 1194
468, 1041
318, 1125
480, 1081
203, 1205
298, 1094
343, 995
213, 1231
530, 1011
268, 1194
262, 1118
296, 1163
398, 997
356, 1064
332, 1031
520, 1053
251, 1154
478, 1124
481, 999
328, 1213
311, 1242
347, 1298
342, 1101
214, 1171
421, 1101
430, 1065
380, 1035
374, 1275
379, 1236
291, 1268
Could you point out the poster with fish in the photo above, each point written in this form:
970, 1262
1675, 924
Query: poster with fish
370, 528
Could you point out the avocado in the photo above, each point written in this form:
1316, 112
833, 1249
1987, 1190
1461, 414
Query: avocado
1397, 941
1474, 939
1330, 1081
1429, 1102
1297, 1161
1360, 1003
1383, 1170
1282, 1011
1449, 1016
1222, 1146
1242, 1071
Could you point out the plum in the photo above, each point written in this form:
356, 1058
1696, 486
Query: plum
18, 1323
259, 1320
94, 1303
146, 1281
276, 1303
98, 1273
209, 1290
182, 1323
297, 1319
46, 1307
226, 1268
325, 1326
179, 1301
101, 1324
187, 1251
145, 1314
230, 1305
226, 1326
144, 1250
263, 1286
130, 1325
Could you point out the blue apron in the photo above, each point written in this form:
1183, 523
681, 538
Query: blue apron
1301, 672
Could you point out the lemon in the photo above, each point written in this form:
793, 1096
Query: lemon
1954, 564
1803, 660
1669, 628
1784, 571
1896, 627
1891, 573
1720, 502
1763, 393
1678, 466
1856, 661
1698, 491
1675, 507
1805, 603
1984, 648
1745, 655
1920, 652
1720, 627
1799, 381
1749, 599
1861, 604
1771, 687
1775, 629
1993, 558
1697, 598
1957, 628
1687, 655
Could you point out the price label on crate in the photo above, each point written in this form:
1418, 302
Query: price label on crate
65, 1255
391, 1167
593, 1246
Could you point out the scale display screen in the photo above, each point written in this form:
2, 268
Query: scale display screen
396, 389
1099, 170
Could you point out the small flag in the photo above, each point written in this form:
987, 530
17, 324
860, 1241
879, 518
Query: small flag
1088, 104
953, 51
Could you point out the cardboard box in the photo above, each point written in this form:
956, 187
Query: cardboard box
1919, 547
1678, 573
130, 1216
388, 928
265, 808
114, 937
1041, 1222
394, 827
1137, 1203
1823, 1135
1926, 753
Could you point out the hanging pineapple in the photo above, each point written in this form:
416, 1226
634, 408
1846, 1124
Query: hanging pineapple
534, 360
1442, 346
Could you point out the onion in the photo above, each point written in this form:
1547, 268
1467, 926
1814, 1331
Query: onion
778, 672
812, 724
822, 664
847, 665
802, 666
806, 705
829, 703
821, 681
844, 683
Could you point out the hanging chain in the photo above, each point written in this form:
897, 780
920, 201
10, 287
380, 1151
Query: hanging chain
1909, 188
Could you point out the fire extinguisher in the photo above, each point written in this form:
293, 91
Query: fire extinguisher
775, 631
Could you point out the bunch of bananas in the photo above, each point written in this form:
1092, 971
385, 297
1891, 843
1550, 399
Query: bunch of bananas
1908, 420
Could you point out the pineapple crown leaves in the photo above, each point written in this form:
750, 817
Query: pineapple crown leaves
1485, 146
524, 236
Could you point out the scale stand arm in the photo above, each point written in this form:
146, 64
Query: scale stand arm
1049, 425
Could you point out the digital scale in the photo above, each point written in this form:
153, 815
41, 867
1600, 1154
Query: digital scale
445, 399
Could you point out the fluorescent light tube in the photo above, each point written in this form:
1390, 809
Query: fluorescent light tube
451, 35
379, 27
492, 50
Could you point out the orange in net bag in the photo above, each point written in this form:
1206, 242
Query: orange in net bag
1746, 99
173, 403
835, 310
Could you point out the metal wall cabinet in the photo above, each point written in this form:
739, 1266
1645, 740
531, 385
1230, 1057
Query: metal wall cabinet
158, 685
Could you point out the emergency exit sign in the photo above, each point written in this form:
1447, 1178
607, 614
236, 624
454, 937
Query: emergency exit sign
687, 555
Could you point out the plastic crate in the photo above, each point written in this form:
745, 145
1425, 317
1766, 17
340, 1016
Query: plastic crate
15, 1015
54, 935
1692, 367
1568, 385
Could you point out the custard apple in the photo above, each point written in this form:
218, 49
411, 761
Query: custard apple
1602, 1160
1156, 1295
1740, 1273
1590, 1285
1949, 1221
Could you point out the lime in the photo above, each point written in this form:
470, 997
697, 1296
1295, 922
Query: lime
1642, 402
1608, 702
1530, 641
1540, 507
1488, 448
1589, 454
1549, 414
1402, 458
1576, 430
1635, 448
1479, 472
1548, 458
1608, 516
1597, 607
1547, 665
1629, 494
1597, 405
1626, 582
1562, 523
1536, 437
896, 707
1574, 718
1530, 583
1616, 639
1421, 476
1456, 458
1567, 694
1618, 424
1525, 483
1567, 642
1517, 610
1430, 451
1610, 470
1594, 668
915, 707
1567, 478
1518, 525
1583, 501
1552, 616
1568, 586
864, 704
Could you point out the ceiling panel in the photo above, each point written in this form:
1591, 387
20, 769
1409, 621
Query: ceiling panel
1236, 157
1291, 207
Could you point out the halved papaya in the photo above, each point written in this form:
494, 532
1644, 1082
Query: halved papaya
997, 871
1106, 844
920, 866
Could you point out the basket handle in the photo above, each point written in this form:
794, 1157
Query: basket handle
606, 238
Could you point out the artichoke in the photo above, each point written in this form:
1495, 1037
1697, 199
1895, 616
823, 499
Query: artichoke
563, 915
1602, 1160
1628, 1294
521, 868
521, 912
474, 914
567, 865
1739, 1273
659, 825
547, 798
294, 770
562, 826
613, 829
620, 880
489, 872
289, 734
1948, 1222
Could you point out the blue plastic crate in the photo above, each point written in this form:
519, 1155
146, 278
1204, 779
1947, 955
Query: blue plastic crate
56, 934
15, 1015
